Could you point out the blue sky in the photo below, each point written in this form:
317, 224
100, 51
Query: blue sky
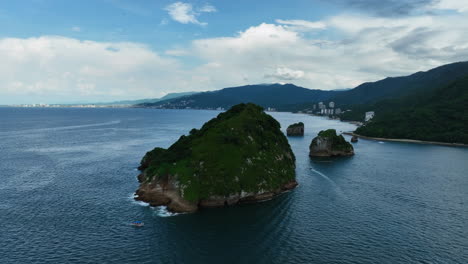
103, 50
146, 21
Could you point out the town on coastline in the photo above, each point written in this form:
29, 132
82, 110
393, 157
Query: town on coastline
320, 109
331, 111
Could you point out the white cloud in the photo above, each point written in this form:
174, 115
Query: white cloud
76, 29
286, 74
177, 52
361, 48
458, 5
302, 24
59, 68
184, 12
207, 9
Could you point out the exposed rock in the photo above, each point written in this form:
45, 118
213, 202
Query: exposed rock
354, 139
241, 156
296, 129
328, 144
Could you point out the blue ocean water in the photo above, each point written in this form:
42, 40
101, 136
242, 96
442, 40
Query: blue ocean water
67, 177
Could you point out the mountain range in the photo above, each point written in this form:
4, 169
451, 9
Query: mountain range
281, 96
428, 105
289, 97
168, 96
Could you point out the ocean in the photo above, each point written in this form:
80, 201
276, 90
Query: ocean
67, 178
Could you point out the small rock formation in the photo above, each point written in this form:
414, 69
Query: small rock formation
328, 144
354, 139
241, 156
296, 129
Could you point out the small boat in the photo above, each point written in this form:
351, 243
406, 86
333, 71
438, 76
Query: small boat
137, 223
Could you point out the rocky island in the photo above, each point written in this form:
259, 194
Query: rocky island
328, 144
296, 129
240, 156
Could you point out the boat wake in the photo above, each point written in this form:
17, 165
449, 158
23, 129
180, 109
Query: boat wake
332, 183
324, 176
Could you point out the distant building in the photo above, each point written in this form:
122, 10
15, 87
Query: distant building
331, 104
314, 106
369, 115
321, 105
337, 111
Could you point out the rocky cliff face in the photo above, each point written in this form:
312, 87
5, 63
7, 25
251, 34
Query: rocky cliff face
328, 144
240, 156
295, 129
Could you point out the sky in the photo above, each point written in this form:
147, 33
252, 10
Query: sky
64, 51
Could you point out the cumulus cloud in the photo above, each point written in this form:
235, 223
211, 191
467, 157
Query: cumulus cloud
76, 29
58, 67
367, 48
363, 48
457, 5
186, 14
285, 74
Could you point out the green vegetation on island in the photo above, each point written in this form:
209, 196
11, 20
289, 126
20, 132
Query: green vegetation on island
296, 129
300, 124
241, 155
328, 143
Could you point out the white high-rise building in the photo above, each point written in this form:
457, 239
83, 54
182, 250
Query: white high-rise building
331, 104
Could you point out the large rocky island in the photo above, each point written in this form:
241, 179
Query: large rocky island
328, 144
238, 157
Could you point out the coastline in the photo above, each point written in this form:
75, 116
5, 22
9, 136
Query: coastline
346, 133
407, 140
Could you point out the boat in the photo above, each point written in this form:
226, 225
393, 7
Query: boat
137, 223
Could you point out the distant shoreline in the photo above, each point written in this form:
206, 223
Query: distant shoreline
408, 140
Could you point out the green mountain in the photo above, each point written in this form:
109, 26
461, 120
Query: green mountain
153, 100
395, 87
280, 96
438, 114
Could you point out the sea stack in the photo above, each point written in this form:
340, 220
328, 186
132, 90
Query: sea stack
354, 139
296, 129
240, 156
328, 144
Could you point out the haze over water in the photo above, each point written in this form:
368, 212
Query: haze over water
67, 177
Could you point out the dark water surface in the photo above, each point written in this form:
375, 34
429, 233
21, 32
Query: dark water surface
67, 178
